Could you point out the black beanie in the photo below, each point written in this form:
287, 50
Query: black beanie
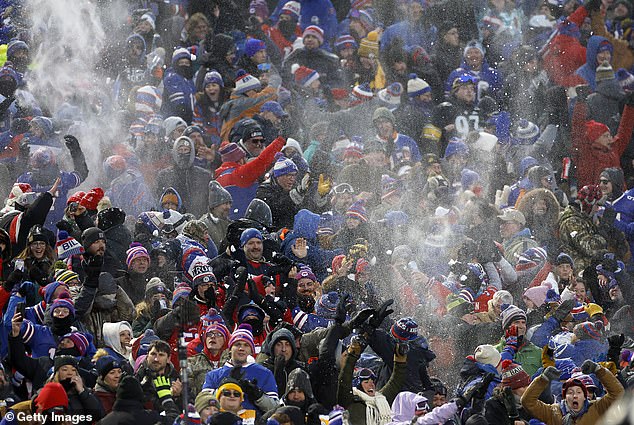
130, 389
92, 235
224, 418
60, 361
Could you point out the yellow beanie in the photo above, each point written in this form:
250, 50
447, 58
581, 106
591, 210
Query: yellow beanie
369, 46
229, 386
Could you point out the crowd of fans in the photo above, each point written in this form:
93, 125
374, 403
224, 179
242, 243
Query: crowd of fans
361, 212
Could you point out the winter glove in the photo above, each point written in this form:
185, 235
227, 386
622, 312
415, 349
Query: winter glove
564, 309
163, 386
251, 390
514, 342
72, 144
547, 357
16, 276
360, 317
588, 367
616, 342
551, 373
324, 185
474, 392
279, 363
237, 373
26, 288
509, 404
379, 315
92, 266
253, 292
592, 5
357, 345
65, 225
341, 313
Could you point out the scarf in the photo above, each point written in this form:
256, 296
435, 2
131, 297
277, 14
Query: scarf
568, 416
377, 409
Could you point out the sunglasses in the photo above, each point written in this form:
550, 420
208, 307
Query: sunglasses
422, 406
231, 393
343, 188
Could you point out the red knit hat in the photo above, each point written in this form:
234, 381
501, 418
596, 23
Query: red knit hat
92, 198
76, 197
594, 130
513, 375
573, 382
51, 395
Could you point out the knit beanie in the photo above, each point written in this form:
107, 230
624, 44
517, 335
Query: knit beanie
154, 286
79, 340
303, 75
148, 101
242, 333
52, 395
487, 354
346, 41
105, 364
283, 166
526, 133
514, 376
218, 195
468, 178
59, 361
180, 53
14, 46
231, 152
404, 329
213, 76
456, 147
564, 258
92, 235
245, 82
578, 313
292, 8
252, 46
604, 72
314, 31
537, 294
357, 210
510, 314
305, 272
589, 330
391, 95
626, 79
229, 384
417, 86
595, 129
573, 383
473, 44
327, 305
182, 290
369, 47
67, 246
217, 327
136, 251
249, 234
130, 389
362, 92
64, 301
92, 198
205, 399
458, 306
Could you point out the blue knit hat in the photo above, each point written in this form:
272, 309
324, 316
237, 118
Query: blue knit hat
526, 163
468, 178
327, 305
249, 234
213, 76
180, 53
64, 301
252, 46
346, 41
454, 147
283, 166
404, 329
564, 258
357, 210
14, 46
552, 296
105, 364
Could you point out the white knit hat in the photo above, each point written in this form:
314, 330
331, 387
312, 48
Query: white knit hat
417, 86
487, 354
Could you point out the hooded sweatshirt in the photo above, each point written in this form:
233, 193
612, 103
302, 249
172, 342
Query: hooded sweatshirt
588, 71
112, 342
404, 406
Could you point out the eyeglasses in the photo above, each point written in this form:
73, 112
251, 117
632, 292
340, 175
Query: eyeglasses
231, 393
215, 335
343, 188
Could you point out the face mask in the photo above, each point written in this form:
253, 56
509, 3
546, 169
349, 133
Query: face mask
7, 87
287, 28
257, 326
62, 326
182, 160
184, 71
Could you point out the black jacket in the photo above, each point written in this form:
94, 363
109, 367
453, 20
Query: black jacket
282, 206
131, 412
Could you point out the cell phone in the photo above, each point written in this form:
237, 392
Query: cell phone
73, 206
19, 264
402, 348
21, 308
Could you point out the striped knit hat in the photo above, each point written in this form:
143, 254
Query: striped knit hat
417, 86
231, 152
304, 76
245, 82
67, 246
65, 276
362, 92
217, 327
514, 376
181, 291
589, 330
79, 340
242, 333
346, 41
64, 301
136, 251
357, 210
510, 314
283, 166
315, 31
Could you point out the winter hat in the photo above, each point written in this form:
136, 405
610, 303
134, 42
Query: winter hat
136, 251
564, 258
229, 384
369, 46
473, 44
205, 399
79, 340
245, 82
456, 147
487, 354
67, 246
573, 383
259, 8
304, 76
149, 18
148, 100
511, 214
275, 108
252, 46
154, 286
180, 53
130, 389
346, 41
105, 364
292, 8
314, 30
64, 360
357, 210
552, 297
589, 330
569, 29
514, 376
172, 123
604, 72
218, 195
14, 46
64, 276
305, 272
404, 329
200, 271
417, 86
249, 234
213, 76
510, 314
492, 22
537, 294
283, 166
468, 178
327, 305
595, 129
141, 345
526, 133
92, 198
218, 327
383, 113
242, 333
362, 92
64, 301
391, 95
626, 80
365, 18
231, 152
195, 229
458, 306
53, 395
182, 290
579, 313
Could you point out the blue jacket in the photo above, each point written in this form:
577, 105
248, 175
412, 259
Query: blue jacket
41, 340
588, 71
307, 322
591, 349
411, 35
130, 193
624, 207
178, 95
322, 10
486, 74
305, 226
252, 371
